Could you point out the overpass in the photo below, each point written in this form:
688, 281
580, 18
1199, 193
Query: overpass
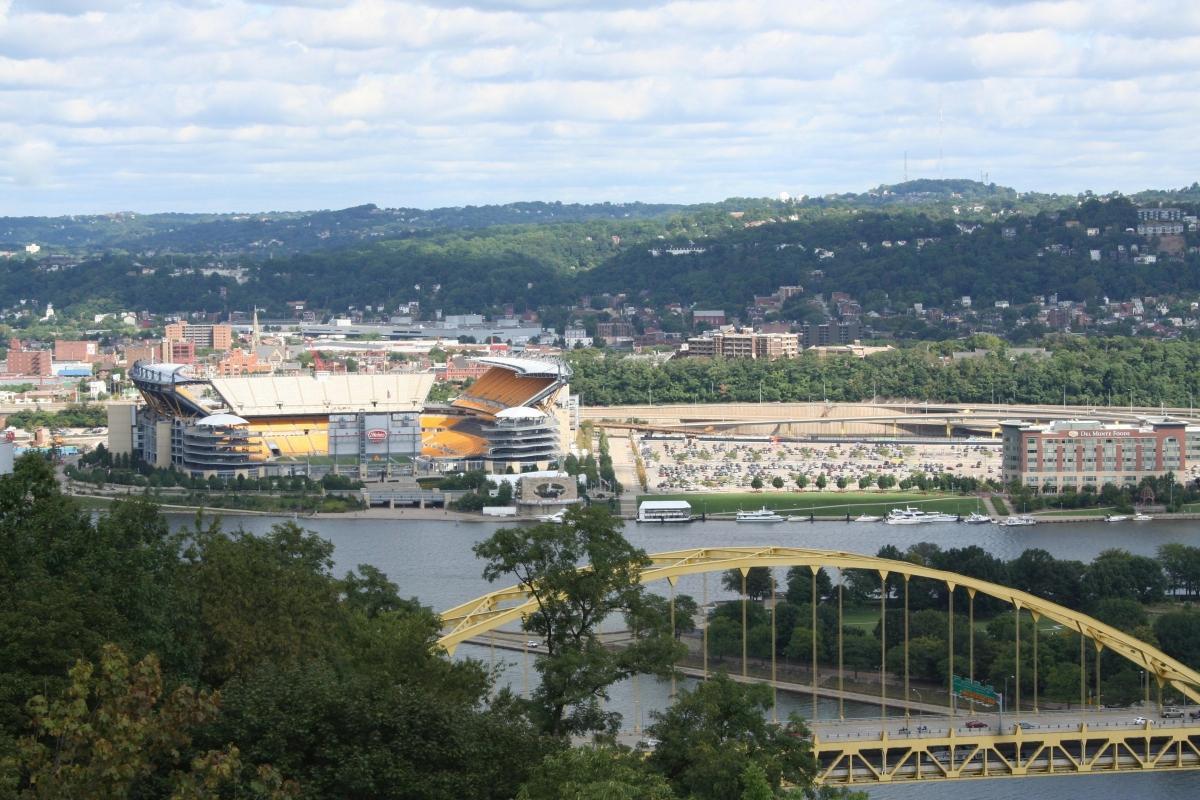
896, 746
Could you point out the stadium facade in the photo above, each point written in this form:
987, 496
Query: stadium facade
518, 415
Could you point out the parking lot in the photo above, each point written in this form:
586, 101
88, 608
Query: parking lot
680, 464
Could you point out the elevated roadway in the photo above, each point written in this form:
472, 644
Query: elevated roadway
847, 419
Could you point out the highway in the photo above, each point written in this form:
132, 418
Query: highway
941, 725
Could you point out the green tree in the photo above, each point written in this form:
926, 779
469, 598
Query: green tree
710, 735
801, 482
595, 773
777, 482
799, 585
754, 783
263, 599
822, 481
758, 582
1178, 634
757, 483
577, 669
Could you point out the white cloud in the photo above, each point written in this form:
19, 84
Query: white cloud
195, 104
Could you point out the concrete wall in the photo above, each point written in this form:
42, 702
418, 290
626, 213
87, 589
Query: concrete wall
6, 457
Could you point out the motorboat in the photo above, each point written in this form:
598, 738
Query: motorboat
794, 518
975, 518
1017, 522
1117, 518
1140, 517
867, 518
764, 514
557, 517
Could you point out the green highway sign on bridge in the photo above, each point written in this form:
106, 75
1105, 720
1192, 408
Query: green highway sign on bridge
974, 690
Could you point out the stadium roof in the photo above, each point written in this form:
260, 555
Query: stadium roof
520, 412
161, 373
332, 394
221, 421
532, 367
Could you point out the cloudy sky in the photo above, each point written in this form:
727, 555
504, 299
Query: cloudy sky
296, 104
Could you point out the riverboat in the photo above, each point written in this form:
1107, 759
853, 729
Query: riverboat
664, 511
764, 514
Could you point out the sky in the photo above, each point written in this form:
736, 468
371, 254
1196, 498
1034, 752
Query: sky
227, 105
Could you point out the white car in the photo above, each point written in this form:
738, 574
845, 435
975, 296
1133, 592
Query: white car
1142, 721
533, 644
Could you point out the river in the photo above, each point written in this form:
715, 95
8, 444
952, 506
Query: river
432, 561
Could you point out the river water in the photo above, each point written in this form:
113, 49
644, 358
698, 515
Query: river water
432, 561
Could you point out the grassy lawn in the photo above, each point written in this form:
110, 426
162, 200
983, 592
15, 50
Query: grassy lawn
93, 503
864, 617
1001, 507
827, 504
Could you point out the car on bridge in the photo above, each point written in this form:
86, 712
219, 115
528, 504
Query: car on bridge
974, 723
1142, 721
1170, 712
1026, 726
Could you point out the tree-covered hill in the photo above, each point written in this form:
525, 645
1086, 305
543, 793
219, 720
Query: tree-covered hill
952, 239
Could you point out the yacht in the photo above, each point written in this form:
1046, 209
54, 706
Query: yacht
976, 518
795, 518
764, 514
915, 516
1117, 518
1142, 517
867, 518
1016, 522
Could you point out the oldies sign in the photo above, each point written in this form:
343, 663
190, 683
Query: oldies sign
377, 435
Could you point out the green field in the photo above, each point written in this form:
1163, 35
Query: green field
1000, 506
822, 504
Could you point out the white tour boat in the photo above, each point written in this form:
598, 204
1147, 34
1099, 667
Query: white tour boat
664, 511
1017, 522
764, 514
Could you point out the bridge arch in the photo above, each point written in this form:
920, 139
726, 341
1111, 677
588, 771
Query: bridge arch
500, 607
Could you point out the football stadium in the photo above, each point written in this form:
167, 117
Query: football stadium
517, 416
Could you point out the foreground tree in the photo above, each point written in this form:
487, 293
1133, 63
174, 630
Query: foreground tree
709, 737
595, 773
114, 733
572, 602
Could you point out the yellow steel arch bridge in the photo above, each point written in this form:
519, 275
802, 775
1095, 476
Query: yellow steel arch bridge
942, 747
